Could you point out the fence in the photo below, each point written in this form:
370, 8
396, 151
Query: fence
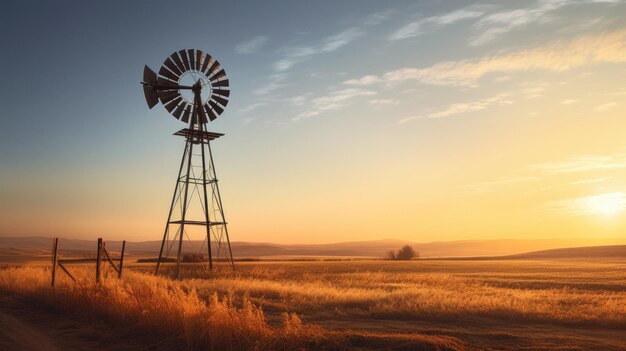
101, 254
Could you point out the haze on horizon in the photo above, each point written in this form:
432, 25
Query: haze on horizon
352, 120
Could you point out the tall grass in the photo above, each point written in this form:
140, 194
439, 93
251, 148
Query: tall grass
151, 304
188, 314
562, 293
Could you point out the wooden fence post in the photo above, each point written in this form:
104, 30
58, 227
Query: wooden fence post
55, 246
98, 260
119, 274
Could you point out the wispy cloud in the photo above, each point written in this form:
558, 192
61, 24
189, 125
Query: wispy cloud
496, 24
606, 107
606, 203
273, 83
251, 46
253, 107
569, 101
384, 102
331, 43
332, 101
408, 119
378, 17
415, 28
558, 56
482, 187
365, 80
464, 107
339, 40
582, 164
292, 56
590, 181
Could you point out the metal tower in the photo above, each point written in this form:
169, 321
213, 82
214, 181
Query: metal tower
196, 201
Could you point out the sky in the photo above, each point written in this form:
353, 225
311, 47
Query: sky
348, 120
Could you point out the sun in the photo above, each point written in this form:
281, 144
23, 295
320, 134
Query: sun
609, 203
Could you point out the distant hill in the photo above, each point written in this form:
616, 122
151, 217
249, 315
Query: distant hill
38, 246
576, 252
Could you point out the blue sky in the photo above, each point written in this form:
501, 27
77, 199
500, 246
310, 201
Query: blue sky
348, 120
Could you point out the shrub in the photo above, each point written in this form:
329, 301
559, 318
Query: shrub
193, 257
404, 254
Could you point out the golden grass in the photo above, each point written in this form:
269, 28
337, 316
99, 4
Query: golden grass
189, 312
260, 306
563, 293
158, 304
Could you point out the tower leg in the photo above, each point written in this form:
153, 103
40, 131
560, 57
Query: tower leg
219, 201
182, 223
206, 202
169, 216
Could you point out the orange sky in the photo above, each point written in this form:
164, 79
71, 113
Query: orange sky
518, 136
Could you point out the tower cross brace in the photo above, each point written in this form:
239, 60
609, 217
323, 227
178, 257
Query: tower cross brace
211, 203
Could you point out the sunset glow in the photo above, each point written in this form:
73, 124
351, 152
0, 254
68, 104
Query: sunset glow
408, 120
610, 203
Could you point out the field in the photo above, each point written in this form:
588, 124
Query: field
425, 304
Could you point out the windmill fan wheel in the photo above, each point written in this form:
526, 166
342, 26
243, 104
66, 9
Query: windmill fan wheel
184, 72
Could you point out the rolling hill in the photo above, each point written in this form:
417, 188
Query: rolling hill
11, 247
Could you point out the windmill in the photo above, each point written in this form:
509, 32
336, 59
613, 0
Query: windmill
193, 87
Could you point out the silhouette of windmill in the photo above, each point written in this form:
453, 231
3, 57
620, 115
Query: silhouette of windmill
193, 87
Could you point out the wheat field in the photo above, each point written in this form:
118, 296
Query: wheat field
446, 305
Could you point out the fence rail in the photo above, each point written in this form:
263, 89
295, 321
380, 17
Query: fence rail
101, 254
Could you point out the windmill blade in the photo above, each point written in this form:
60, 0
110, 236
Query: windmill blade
221, 92
209, 112
166, 84
213, 68
166, 96
151, 95
179, 110
218, 75
179, 64
219, 99
149, 76
168, 74
216, 107
198, 59
172, 66
185, 59
205, 64
191, 54
170, 106
221, 83
186, 113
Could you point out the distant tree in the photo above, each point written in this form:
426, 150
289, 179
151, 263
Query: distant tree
193, 257
391, 255
406, 253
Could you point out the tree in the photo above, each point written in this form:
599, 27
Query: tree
406, 253
391, 255
193, 257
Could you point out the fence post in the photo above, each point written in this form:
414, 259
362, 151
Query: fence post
119, 275
55, 246
98, 260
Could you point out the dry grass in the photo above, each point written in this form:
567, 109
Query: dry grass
375, 305
158, 304
562, 293
189, 312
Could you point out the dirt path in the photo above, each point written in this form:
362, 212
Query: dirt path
17, 335
24, 326
509, 336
